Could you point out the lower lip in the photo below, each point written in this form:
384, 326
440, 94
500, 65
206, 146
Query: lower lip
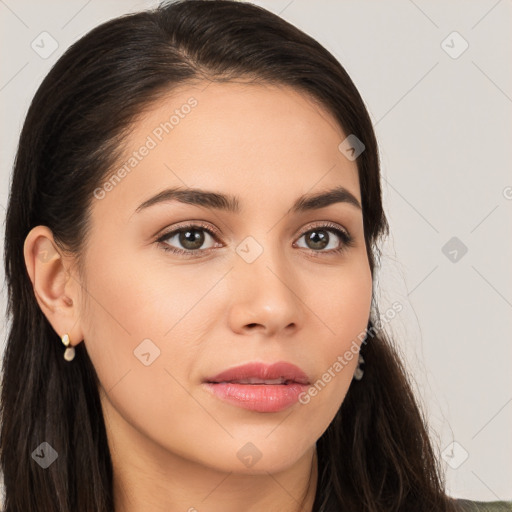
258, 397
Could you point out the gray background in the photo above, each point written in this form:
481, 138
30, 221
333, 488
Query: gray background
444, 127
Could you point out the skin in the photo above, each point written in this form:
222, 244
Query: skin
173, 445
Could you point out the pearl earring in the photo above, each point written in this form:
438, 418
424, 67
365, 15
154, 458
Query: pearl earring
359, 372
69, 353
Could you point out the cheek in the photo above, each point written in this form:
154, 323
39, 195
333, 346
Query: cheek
123, 309
137, 337
343, 302
139, 297
139, 306
344, 308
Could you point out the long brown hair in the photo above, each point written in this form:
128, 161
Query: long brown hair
376, 454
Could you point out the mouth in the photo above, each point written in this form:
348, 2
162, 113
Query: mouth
259, 387
256, 381
258, 373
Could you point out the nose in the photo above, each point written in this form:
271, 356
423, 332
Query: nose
265, 296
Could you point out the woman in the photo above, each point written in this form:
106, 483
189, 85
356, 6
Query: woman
191, 242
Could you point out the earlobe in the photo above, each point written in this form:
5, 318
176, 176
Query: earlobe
54, 289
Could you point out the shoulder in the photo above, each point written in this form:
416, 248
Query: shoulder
484, 506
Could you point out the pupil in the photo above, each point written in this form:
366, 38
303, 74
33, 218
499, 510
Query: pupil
319, 239
194, 242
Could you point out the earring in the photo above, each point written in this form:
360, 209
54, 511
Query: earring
69, 353
359, 372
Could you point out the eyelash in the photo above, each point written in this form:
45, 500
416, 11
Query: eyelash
346, 238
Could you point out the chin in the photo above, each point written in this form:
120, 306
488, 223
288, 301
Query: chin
256, 455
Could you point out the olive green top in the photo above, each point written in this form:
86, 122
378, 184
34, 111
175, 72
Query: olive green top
484, 506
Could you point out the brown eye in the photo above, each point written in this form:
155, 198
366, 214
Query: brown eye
327, 239
187, 239
191, 239
317, 239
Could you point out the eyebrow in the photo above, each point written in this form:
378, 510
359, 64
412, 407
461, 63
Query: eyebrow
229, 203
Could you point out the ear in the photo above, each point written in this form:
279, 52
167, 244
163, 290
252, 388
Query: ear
55, 289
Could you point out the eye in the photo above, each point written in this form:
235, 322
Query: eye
191, 237
320, 238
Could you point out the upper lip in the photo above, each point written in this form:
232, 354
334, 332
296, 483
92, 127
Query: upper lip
280, 370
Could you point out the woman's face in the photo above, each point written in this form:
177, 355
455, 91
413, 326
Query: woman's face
262, 281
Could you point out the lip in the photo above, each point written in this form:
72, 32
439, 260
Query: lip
259, 397
278, 370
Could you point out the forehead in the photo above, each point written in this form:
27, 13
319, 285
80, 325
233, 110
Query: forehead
241, 137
